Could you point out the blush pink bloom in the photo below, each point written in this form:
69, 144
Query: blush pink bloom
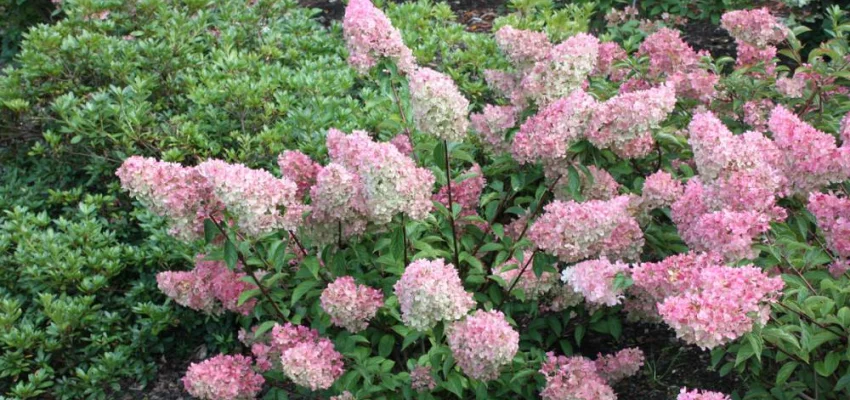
181, 195
223, 377
610, 53
756, 27
338, 206
721, 305
350, 305
653, 282
620, 365
492, 124
697, 84
403, 144
660, 190
523, 48
695, 394
209, 287
573, 378
260, 202
390, 182
346, 395
370, 36
299, 168
483, 343
548, 135
844, 131
575, 231
429, 292
668, 53
504, 84
305, 358
833, 217
421, 379
791, 87
439, 109
594, 279
750, 56
756, 111
625, 122
562, 71
811, 158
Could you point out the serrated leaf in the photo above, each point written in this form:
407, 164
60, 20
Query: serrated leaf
301, 290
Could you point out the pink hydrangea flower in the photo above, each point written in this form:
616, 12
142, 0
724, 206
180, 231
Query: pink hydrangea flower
346, 395
625, 122
594, 279
660, 190
466, 190
503, 83
756, 27
844, 131
299, 168
573, 378
564, 69
531, 285
223, 377
655, 281
305, 358
492, 124
350, 305
482, 343
439, 109
749, 56
668, 53
727, 232
429, 292
337, 200
610, 53
390, 182
695, 394
603, 187
523, 48
403, 144
209, 287
575, 231
756, 111
721, 305
622, 364
550, 133
421, 379
370, 35
181, 195
811, 158
560, 298
260, 202
697, 84
791, 87
833, 217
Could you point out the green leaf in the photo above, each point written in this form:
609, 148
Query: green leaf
247, 295
301, 290
230, 254
828, 365
210, 231
264, 327
843, 382
785, 372
579, 333
440, 155
385, 346
454, 385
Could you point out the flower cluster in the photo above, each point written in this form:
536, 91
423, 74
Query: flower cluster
791, 87
660, 190
492, 123
721, 304
350, 305
756, 112
305, 358
562, 71
254, 197
755, 33
695, 394
610, 53
482, 343
223, 377
439, 108
655, 281
389, 182
550, 133
370, 35
209, 287
179, 194
668, 53
299, 168
421, 379
346, 395
622, 364
596, 281
810, 158
429, 292
833, 216
575, 231
624, 123
573, 378
523, 48
756, 27
531, 285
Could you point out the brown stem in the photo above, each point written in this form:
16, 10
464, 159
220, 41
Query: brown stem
250, 271
298, 243
451, 203
812, 320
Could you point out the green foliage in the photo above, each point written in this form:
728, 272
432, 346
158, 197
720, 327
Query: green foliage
79, 310
18, 16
